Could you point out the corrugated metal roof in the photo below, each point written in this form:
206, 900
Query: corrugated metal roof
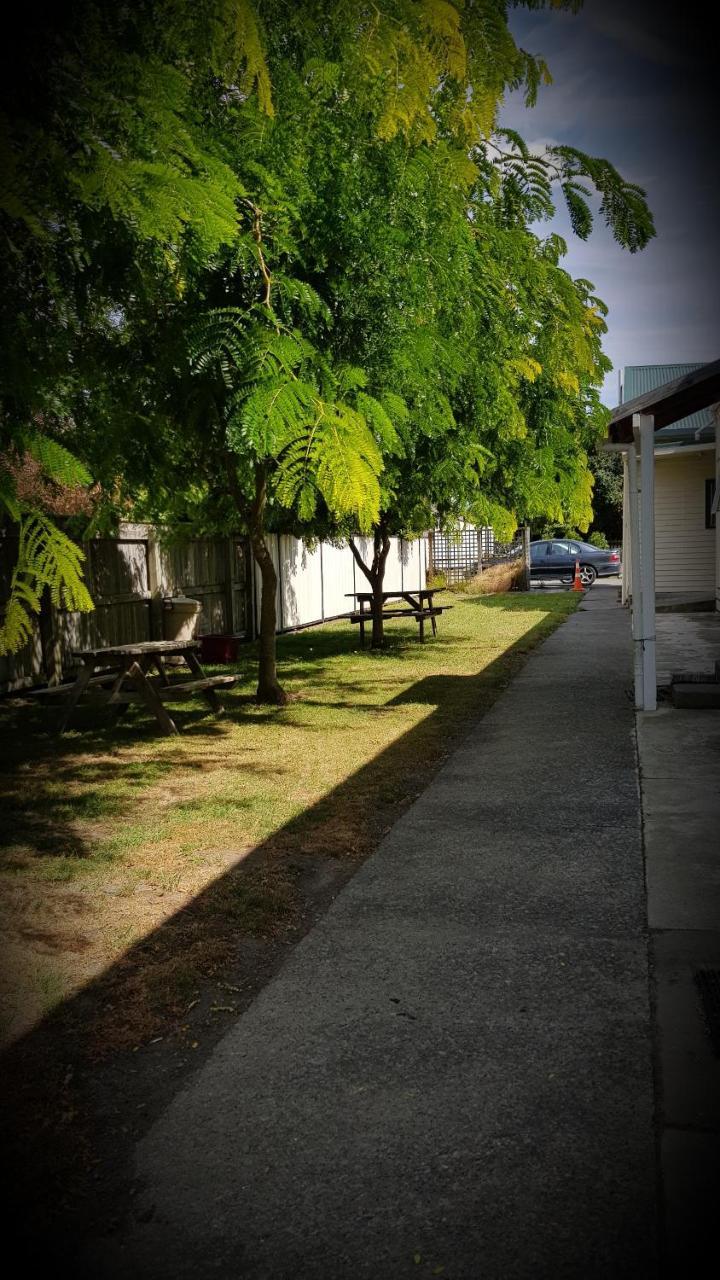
639, 378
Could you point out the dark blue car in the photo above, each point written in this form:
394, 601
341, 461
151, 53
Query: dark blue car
556, 557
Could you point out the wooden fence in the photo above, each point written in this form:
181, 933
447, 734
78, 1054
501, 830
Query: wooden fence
130, 576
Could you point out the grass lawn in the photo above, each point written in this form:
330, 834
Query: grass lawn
141, 868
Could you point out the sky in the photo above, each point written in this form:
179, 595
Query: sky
633, 82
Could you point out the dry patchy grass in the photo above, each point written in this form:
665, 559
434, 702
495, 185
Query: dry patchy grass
136, 866
497, 579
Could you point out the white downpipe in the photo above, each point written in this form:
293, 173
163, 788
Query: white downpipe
644, 433
636, 595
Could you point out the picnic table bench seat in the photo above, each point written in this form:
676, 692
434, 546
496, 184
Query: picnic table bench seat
167, 691
116, 675
403, 613
179, 688
417, 603
52, 690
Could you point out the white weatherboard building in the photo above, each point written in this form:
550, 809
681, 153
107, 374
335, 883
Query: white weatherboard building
666, 427
686, 533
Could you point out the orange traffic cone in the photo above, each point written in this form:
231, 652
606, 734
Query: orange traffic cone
577, 584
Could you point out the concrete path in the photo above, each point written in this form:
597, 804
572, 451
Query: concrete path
451, 1075
680, 775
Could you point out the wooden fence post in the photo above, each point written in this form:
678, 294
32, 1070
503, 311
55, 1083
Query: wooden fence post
50, 640
229, 590
526, 557
155, 584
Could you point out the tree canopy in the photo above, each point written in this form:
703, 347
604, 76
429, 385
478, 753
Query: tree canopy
278, 259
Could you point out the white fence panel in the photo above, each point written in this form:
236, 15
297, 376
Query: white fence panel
318, 584
405, 566
301, 583
365, 548
413, 556
340, 577
394, 567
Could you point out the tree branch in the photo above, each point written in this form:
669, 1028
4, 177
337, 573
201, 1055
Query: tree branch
233, 484
257, 237
359, 561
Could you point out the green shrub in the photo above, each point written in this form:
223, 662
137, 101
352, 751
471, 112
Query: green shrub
598, 539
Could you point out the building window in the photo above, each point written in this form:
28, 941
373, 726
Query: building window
710, 504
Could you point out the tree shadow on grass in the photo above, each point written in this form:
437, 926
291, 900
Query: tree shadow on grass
80, 1094
49, 784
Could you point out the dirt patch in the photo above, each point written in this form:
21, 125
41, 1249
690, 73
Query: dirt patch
49, 943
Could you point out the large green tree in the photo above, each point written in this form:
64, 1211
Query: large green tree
268, 258
418, 216
607, 472
109, 180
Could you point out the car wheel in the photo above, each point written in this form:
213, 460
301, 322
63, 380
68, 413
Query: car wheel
587, 575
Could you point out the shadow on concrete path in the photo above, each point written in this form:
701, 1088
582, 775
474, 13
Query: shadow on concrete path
451, 1074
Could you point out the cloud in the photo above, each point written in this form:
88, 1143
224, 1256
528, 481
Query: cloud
622, 89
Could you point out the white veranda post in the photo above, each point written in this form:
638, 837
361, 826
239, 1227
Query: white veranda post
634, 566
626, 589
642, 514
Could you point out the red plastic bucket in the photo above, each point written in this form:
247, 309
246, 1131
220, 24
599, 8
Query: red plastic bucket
219, 648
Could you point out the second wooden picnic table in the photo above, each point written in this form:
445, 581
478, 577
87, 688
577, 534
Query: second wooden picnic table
118, 675
420, 607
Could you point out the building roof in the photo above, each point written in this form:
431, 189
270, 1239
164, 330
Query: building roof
668, 391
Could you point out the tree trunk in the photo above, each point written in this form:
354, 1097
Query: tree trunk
375, 575
269, 689
378, 625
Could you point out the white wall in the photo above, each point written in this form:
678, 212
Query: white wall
685, 551
318, 583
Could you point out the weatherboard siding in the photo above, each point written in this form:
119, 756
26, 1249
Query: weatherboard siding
684, 548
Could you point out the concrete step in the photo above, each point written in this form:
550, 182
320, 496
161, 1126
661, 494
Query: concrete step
697, 695
694, 677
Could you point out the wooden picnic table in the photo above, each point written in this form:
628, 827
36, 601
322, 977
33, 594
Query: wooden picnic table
118, 675
420, 606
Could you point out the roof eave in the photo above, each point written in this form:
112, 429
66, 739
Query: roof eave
668, 403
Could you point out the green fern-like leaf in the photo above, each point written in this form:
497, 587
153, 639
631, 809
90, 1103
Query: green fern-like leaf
56, 461
273, 414
382, 424
47, 558
579, 210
